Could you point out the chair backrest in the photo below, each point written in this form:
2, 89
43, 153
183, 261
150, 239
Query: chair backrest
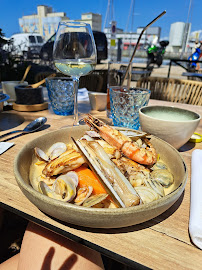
92, 82
110, 77
174, 90
136, 77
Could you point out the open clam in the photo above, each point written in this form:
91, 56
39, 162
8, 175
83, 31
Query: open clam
64, 188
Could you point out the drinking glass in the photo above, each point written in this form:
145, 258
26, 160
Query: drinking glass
125, 105
74, 53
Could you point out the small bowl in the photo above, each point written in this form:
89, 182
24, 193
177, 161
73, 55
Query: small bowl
29, 96
173, 125
9, 88
98, 101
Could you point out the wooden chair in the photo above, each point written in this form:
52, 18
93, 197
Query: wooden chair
136, 77
174, 90
92, 82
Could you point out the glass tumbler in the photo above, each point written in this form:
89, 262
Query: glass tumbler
61, 95
125, 105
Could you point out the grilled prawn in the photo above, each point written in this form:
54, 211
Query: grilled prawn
131, 149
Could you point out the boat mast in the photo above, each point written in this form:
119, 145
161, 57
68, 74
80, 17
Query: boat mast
130, 29
109, 16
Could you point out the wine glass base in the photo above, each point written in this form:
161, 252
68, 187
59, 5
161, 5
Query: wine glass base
80, 122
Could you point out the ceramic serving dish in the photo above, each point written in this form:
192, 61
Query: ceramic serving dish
172, 124
91, 217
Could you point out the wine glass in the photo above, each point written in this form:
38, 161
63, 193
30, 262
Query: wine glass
74, 53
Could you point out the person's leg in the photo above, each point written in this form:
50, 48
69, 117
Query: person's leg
10, 264
43, 249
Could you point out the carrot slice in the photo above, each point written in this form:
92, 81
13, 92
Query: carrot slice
88, 178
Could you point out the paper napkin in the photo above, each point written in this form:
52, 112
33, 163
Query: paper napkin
4, 146
195, 221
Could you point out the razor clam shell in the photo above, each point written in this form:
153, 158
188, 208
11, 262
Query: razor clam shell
94, 199
132, 197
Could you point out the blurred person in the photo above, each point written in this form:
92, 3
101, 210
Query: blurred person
42, 249
196, 55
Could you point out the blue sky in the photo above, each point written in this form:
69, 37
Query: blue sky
144, 11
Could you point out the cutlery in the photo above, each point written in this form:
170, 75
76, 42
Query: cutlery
31, 127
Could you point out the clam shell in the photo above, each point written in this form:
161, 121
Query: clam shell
156, 186
164, 177
56, 150
73, 175
147, 194
46, 190
159, 165
95, 199
65, 187
83, 194
40, 154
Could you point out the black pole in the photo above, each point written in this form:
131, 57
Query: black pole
119, 50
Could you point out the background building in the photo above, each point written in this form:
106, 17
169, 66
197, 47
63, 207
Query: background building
129, 39
95, 20
45, 22
179, 36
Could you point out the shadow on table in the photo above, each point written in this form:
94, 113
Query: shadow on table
186, 147
22, 134
8, 121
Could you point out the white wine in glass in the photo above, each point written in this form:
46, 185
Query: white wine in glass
74, 53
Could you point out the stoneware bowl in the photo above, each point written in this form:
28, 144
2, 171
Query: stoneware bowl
98, 101
29, 96
94, 217
173, 125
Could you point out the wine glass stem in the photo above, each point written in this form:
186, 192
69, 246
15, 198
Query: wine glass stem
76, 114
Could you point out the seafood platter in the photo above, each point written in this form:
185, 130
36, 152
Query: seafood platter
100, 177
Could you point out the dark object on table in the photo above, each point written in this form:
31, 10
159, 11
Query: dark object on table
29, 96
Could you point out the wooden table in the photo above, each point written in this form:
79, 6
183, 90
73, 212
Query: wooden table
161, 243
